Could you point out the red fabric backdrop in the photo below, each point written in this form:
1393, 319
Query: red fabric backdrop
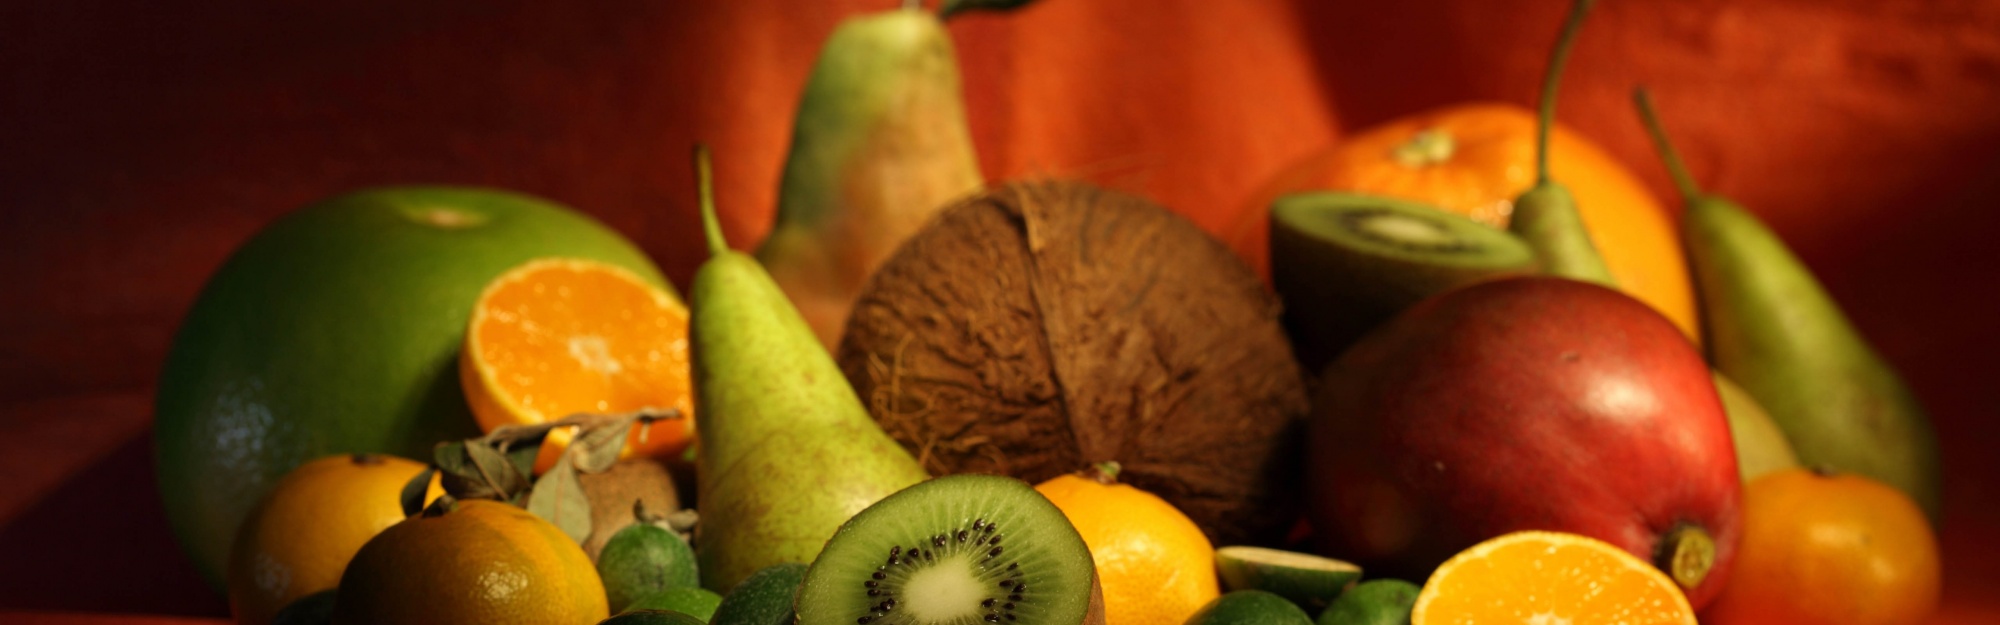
140, 144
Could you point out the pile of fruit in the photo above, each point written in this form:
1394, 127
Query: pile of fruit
929, 401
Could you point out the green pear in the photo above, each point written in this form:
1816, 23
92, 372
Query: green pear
1545, 215
1760, 445
1774, 330
880, 144
787, 451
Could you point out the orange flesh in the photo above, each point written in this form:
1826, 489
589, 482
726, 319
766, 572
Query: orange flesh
555, 338
1549, 578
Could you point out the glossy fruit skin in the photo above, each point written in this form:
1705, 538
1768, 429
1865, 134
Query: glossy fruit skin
644, 559
483, 562
1830, 550
1491, 164
764, 598
300, 537
336, 330
1154, 564
1527, 403
1250, 607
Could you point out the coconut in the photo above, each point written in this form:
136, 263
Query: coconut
1047, 326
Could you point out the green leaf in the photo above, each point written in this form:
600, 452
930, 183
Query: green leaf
952, 7
496, 469
414, 491
558, 498
523, 455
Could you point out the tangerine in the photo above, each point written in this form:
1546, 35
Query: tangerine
473, 561
301, 535
1826, 549
1155, 565
1549, 577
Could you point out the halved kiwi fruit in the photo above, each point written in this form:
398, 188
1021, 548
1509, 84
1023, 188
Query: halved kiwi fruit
1344, 263
956, 550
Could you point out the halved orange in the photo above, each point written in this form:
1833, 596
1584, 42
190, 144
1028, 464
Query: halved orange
555, 337
1549, 578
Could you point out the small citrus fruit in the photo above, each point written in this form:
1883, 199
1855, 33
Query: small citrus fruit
555, 337
1155, 565
473, 561
1822, 549
1549, 577
298, 539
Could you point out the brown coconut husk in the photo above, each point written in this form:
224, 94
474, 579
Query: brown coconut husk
1047, 326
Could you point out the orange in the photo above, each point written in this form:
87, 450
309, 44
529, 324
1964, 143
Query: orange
555, 337
473, 561
1474, 159
300, 536
1823, 549
1155, 565
1549, 577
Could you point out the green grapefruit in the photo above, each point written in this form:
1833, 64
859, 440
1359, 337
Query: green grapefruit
336, 329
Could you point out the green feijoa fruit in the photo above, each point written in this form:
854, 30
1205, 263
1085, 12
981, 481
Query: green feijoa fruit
1250, 607
652, 617
1308, 580
696, 602
763, 598
962, 549
1373, 602
644, 559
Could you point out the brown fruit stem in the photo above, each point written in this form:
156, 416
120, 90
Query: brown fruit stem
443, 505
1686, 553
1104, 472
366, 460
1428, 147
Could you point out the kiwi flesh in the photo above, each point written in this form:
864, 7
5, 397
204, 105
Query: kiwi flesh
964, 549
1343, 263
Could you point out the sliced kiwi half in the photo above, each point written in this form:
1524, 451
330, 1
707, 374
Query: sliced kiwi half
1343, 263
955, 550
1305, 579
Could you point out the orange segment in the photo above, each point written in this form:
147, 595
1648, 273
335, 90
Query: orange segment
555, 337
1549, 578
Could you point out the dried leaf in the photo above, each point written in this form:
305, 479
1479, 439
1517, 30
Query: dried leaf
558, 498
598, 445
414, 491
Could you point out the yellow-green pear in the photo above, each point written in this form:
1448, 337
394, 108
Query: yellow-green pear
787, 451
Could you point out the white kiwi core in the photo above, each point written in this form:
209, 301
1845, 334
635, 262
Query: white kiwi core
944, 593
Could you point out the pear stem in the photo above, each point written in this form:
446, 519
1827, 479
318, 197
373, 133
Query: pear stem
704, 181
1676, 168
1552, 82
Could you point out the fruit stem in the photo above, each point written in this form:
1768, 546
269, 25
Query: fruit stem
1105, 472
704, 181
1686, 553
1551, 83
1675, 167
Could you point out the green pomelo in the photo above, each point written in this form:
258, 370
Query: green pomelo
1308, 580
643, 560
653, 617
696, 602
1373, 602
763, 598
336, 330
1250, 607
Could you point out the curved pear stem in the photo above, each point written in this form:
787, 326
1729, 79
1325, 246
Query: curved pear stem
1675, 167
1552, 82
704, 180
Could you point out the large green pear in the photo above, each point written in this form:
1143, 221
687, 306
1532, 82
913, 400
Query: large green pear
879, 145
787, 451
1774, 330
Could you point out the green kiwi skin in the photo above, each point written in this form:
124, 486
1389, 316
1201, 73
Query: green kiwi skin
1336, 287
1311, 588
763, 598
1250, 607
1373, 602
